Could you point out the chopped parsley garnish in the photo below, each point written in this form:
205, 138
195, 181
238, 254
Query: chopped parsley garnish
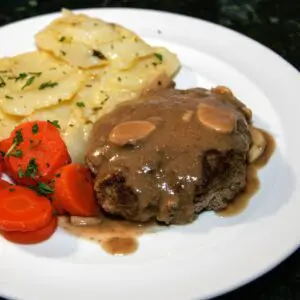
21, 76
35, 128
119, 79
8, 97
57, 175
17, 153
62, 39
2, 82
54, 123
63, 52
80, 104
29, 81
18, 139
48, 84
21, 173
44, 189
32, 168
159, 57
11, 189
98, 54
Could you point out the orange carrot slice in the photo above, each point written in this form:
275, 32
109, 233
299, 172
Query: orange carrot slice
74, 191
22, 209
32, 237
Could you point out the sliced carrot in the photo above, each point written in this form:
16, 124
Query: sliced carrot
4, 184
32, 237
56, 203
22, 209
36, 152
58, 208
2, 166
74, 191
4, 146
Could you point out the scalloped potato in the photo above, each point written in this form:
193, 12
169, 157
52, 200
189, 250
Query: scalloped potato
88, 67
88, 42
34, 81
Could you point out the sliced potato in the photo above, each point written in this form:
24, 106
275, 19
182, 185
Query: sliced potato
34, 81
60, 113
88, 42
170, 62
7, 124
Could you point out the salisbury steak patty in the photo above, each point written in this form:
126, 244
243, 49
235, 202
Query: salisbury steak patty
171, 155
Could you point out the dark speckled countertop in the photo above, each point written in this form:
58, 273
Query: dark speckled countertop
274, 23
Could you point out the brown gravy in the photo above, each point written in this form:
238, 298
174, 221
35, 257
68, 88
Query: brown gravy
241, 202
117, 237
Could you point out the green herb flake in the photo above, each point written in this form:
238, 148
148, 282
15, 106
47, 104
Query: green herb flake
3, 71
35, 129
29, 81
80, 104
17, 153
2, 82
48, 84
32, 168
44, 189
18, 139
159, 57
63, 52
21, 76
21, 173
11, 189
8, 97
62, 39
54, 123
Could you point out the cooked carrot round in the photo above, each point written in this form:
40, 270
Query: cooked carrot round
74, 191
32, 237
22, 209
36, 152
4, 146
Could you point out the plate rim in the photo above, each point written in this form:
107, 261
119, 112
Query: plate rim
220, 27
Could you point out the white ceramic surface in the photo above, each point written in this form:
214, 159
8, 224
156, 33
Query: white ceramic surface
214, 254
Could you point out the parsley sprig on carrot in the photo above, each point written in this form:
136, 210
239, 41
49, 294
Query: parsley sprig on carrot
36, 149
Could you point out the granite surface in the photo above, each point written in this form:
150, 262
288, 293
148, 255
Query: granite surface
274, 23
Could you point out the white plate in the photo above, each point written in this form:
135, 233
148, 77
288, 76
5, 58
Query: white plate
212, 255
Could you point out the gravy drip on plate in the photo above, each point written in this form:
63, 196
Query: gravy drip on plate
117, 237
